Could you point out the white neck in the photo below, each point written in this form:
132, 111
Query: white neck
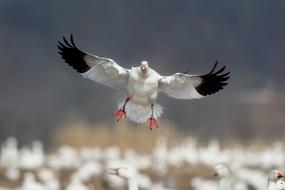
144, 73
224, 184
271, 185
132, 184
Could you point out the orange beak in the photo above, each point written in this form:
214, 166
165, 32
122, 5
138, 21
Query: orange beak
215, 174
280, 174
144, 67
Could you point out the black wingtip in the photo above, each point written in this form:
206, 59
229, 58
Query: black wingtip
214, 67
72, 41
66, 42
73, 56
221, 70
213, 82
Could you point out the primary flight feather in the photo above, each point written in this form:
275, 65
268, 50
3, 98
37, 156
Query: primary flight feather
142, 83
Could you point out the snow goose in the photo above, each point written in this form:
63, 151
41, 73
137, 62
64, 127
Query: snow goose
9, 153
228, 178
76, 184
142, 83
49, 178
202, 184
89, 170
134, 179
127, 173
12, 173
222, 172
66, 157
253, 178
32, 157
30, 183
160, 157
280, 185
273, 177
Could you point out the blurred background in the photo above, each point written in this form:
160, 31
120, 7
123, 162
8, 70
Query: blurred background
41, 98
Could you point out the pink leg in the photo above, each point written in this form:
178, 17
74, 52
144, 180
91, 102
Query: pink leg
152, 121
121, 113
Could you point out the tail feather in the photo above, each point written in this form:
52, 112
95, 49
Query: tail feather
140, 114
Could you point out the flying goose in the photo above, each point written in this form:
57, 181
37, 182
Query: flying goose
142, 83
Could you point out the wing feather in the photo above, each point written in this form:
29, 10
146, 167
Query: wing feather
213, 82
185, 86
103, 70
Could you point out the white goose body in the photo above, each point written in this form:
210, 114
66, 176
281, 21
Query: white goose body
273, 177
223, 173
142, 87
280, 184
127, 173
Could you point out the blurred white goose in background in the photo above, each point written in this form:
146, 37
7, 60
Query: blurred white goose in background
252, 177
272, 157
132, 177
222, 172
32, 157
160, 157
273, 177
191, 151
237, 179
280, 184
87, 154
49, 179
112, 153
113, 181
198, 183
127, 173
136, 160
66, 157
212, 154
12, 173
247, 172
9, 153
175, 156
88, 170
76, 184
30, 183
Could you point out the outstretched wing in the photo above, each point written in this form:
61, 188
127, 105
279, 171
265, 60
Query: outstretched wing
99, 69
184, 86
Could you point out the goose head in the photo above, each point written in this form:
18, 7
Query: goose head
275, 175
221, 171
123, 172
144, 66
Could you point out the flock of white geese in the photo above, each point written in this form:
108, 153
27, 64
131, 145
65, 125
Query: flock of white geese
226, 181
235, 168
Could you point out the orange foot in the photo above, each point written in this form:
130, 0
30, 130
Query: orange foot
121, 113
152, 123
